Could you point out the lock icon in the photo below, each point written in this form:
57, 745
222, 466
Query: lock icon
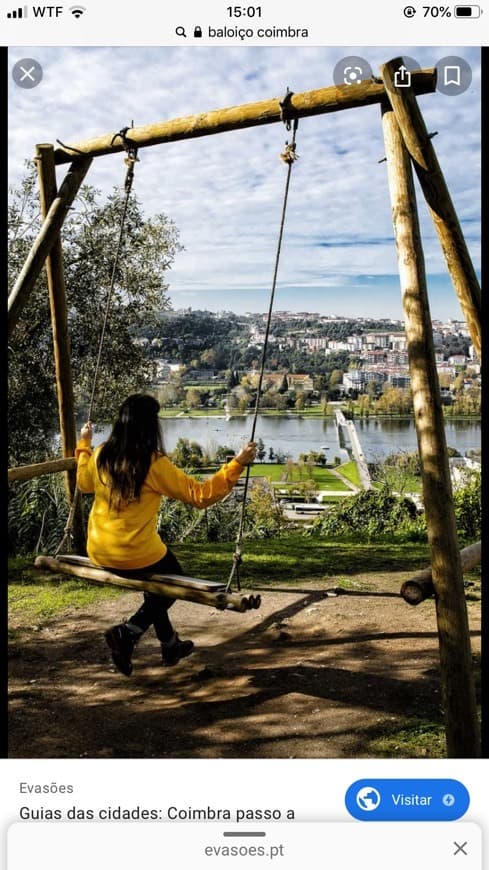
197, 32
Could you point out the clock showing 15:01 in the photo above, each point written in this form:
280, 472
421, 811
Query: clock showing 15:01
244, 11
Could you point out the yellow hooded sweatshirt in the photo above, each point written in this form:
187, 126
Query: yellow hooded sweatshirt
127, 538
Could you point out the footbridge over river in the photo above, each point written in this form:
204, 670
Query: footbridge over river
348, 440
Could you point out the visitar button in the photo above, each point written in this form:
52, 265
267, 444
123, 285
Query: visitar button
407, 800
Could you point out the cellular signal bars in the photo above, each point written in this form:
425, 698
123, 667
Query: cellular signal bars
21, 12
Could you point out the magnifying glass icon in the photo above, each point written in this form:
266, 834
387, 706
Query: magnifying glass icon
180, 31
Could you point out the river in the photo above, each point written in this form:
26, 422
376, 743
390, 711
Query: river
292, 435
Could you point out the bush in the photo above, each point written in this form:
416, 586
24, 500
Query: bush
371, 514
467, 505
37, 514
265, 517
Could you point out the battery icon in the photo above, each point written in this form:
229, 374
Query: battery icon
467, 11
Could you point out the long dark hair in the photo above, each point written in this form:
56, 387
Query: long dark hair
127, 454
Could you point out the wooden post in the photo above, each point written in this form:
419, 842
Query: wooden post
27, 472
45, 240
418, 588
453, 630
59, 321
437, 196
318, 102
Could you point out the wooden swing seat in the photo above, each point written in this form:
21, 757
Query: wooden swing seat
178, 579
169, 585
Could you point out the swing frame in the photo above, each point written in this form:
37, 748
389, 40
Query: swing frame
407, 144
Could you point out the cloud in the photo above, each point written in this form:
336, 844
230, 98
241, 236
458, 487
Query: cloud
225, 192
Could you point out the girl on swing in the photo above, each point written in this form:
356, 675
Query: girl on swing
129, 474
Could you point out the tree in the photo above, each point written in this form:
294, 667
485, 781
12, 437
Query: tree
284, 386
187, 454
233, 379
265, 516
170, 395
289, 470
335, 378
90, 236
193, 398
260, 450
208, 358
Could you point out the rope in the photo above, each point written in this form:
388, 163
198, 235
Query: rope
289, 156
130, 160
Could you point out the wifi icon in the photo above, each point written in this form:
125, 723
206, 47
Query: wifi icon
77, 11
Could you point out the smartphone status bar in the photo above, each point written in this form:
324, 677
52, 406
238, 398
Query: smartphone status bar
270, 23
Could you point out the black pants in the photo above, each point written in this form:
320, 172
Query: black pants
154, 609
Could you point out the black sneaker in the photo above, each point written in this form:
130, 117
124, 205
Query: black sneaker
170, 655
121, 641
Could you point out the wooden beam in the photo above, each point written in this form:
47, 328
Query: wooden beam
433, 184
420, 587
155, 583
306, 104
59, 319
45, 240
457, 680
27, 472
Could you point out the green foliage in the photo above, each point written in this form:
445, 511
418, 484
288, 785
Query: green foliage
399, 472
264, 516
369, 515
90, 236
178, 522
187, 454
468, 514
37, 514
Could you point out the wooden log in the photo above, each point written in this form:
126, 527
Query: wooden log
45, 240
433, 184
177, 579
457, 680
48, 190
148, 583
27, 472
418, 588
308, 103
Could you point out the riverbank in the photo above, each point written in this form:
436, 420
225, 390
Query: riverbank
315, 412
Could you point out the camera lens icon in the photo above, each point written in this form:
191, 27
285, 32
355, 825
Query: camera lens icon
352, 71
352, 75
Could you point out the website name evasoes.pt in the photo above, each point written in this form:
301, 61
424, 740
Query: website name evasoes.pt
245, 851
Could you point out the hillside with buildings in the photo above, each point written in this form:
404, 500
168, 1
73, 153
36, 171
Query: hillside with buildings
206, 359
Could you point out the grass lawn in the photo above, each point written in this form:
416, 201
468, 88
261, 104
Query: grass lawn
290, 558
37, 596
324, 478
350, 471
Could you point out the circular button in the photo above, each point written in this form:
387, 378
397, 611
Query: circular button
27, 73
402, 74
453, 75
352, 71
368, 798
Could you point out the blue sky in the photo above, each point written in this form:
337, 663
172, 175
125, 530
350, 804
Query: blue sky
224, 192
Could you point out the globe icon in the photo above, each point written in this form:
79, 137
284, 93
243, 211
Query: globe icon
368, 798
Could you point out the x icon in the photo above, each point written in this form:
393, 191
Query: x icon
27, 74
460, 848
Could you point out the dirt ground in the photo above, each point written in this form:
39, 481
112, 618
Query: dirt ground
310, 674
